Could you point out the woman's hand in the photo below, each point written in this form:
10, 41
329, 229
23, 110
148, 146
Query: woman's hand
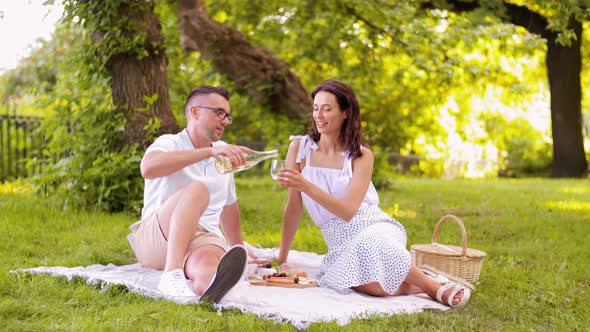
290, 178
265, 261
251, 254
259, 261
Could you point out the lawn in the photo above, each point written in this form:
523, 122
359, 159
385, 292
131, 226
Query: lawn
536, 233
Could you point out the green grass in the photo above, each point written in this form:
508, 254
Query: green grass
536, 275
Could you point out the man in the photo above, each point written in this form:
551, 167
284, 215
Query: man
186, 200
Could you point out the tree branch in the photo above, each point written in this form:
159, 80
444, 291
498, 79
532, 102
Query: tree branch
526, 18
259, 72
351, 11
517, 15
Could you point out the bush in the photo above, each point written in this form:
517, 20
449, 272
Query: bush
93, 169
527, 152
85, 163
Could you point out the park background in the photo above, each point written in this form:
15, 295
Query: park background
471, 107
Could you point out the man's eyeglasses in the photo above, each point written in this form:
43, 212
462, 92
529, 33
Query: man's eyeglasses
220, 112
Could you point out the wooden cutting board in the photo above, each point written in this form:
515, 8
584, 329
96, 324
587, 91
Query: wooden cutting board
258, 282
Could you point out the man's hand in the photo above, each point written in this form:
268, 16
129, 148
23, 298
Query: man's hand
234, 152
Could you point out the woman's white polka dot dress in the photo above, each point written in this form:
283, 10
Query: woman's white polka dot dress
370, 247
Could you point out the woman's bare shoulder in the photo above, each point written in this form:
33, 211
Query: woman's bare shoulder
367, 153
295, 144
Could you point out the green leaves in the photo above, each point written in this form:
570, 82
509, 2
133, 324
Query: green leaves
113, 27
408, 66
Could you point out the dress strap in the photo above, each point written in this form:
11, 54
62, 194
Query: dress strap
347, 164
308, 158
305, 146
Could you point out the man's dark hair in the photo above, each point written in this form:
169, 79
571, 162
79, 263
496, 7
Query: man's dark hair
207, 90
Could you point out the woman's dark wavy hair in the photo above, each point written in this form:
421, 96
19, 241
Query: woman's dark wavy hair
350, 133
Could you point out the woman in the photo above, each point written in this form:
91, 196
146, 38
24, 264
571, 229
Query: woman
329, 172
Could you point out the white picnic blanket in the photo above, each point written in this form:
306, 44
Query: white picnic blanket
303, 307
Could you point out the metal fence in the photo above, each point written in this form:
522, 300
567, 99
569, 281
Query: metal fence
21, 139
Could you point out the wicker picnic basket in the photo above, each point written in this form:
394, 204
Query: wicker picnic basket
462, 262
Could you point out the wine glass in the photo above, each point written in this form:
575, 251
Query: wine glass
275, 167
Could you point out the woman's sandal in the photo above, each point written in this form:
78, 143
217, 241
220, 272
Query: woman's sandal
440, 276
456, 288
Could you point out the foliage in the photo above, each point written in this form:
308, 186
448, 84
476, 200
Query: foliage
253, 124
93, 169
512, 220
417, 74
559, 15
525, 150
385, 172
416, 60
35, 73
111, 28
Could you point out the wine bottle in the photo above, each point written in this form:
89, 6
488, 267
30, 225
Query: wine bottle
224, 165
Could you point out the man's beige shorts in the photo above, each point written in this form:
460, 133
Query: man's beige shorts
150, 244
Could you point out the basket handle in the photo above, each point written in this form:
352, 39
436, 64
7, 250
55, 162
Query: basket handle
458, 221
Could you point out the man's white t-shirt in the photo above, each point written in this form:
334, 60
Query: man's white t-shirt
221, 187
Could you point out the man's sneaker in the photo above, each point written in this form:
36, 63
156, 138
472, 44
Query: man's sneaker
229, 272
174, 283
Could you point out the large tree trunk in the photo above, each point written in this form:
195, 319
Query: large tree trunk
563, 69
262, 75
564, 66
133, 79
